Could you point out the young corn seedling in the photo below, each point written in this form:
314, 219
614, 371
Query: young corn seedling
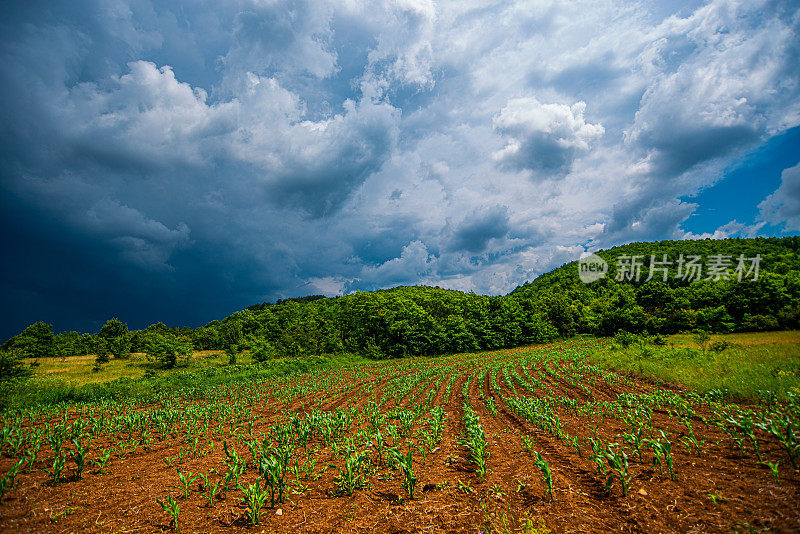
186, 483
773, 468
273, 466
101, 461
350, 477
406, 419
236, 466
784, 429
380, 447
691, 441
618, 463
662, 453
636, 440
8, 479
32, 454
57, 468
489, 401
475, 440
576, 444
406, 464
210, 491
598, 456
527, 444
172, 508
437, 423
543, 466
79, 455
300, 488
235, 470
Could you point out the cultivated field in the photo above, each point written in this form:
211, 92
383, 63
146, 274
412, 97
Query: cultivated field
534, 439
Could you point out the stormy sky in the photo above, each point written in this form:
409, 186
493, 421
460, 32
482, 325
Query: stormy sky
177, 161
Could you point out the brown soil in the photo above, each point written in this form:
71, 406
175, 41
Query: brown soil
716, 491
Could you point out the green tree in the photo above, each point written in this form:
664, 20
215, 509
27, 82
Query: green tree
117, 337
36, 341
262, 350
167, 349
12, 366
113, 328
101, 351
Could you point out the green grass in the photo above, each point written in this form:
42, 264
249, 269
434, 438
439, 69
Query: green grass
753, 362
77, 370
125, 380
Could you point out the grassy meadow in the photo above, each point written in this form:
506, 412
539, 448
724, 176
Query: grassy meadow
751, 362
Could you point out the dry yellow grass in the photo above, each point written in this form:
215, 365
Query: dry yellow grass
78, 369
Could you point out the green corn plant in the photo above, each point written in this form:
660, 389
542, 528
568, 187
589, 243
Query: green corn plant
79, 455
380, 447
255, 449
57, 468
393, 434
56, 441
350, 477
576, 444
406, 465
172, 508
101, 461
662, 453
235, 470
618, 464
773, 468
527, 444
8, 479
636, 440
423, 448
784, 429
210, 491
406, 419
31, 454
691, 441
475, 440
186, 482
269, 468
489, 401
304, 433
543, 466
236, 466
598, 456
437, 423
300, 488
273, 466
195, 444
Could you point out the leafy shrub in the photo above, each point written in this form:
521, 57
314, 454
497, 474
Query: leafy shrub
625, 339
11, 366
101, 351
263, 350
167, 348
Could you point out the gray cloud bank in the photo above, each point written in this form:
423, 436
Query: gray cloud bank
178, 161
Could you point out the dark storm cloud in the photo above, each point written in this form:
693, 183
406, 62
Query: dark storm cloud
474, 232
176, 162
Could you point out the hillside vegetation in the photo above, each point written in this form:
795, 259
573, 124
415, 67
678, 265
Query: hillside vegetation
411, 321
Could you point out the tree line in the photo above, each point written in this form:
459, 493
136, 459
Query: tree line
419, 320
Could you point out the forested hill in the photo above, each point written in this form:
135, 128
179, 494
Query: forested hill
425, 320
687, 299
